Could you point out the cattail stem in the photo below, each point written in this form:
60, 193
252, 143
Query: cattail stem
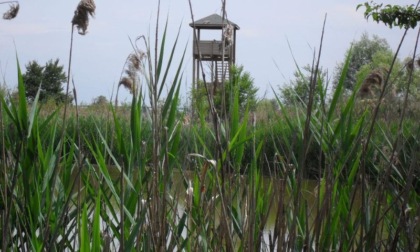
68, 79
9, 2
122, 217
47, 231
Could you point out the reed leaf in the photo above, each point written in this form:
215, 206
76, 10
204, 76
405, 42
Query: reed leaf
84, 245
170, 59
340, 87
96, 228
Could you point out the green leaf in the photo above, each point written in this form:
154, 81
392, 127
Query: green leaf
340, 86
161, 54
96, 232
235, 217
181, 224
84, 245
22, 116
33, 112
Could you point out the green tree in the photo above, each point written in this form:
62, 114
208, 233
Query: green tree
405, 17
3, 90
100, 100
399, 75
267, 110
49, 77
297, 90
362, 52
240, 81
392, 15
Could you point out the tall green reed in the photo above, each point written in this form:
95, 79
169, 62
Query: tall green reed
351, 211
36, 202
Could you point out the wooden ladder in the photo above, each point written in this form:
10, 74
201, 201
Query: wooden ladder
222, 71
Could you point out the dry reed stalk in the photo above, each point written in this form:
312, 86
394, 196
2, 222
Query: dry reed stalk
410, 65
364, 231
4, 190
127, 83
81, 21
133, 66
225, 234
80, 156
394, 158
306, 136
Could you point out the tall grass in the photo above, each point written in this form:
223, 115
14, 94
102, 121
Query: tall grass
132, 182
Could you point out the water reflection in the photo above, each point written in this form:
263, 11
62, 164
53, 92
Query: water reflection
239, 189
185, 184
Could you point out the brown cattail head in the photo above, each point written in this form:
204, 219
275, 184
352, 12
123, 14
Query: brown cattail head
364, 91
410, 65
133, 66
81, 15
12, 12
127, 82
418, 62
135, 60
372, 84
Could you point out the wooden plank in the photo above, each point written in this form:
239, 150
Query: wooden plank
210, 48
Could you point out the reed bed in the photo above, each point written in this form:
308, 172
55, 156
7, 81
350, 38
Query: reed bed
117, 178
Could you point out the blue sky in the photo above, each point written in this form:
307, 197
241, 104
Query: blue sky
42, 32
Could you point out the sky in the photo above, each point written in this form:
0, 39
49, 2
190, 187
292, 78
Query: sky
273, 34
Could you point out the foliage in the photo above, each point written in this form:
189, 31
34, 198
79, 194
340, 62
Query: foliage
3, 90
240, 81
243, 82
266, 110
49, 79
297, 91
360, 53
100, 100
392, 15
401, 74
410, 65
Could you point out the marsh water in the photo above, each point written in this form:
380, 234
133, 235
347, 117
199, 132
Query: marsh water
309, 192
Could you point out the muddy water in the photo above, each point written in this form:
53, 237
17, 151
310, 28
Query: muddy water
279, 197
309, 194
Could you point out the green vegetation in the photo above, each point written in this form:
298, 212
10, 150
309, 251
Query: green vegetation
393, 15
361, 53
240, 82
298, 90
125, 178
49, 79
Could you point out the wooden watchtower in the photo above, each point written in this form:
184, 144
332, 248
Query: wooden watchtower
219, 54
